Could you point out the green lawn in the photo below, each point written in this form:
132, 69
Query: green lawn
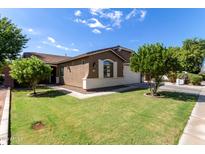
121, 118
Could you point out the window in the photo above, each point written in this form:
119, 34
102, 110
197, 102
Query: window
61, 71
108, 69
83, 62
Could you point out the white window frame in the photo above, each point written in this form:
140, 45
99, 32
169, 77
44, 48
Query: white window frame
101, 68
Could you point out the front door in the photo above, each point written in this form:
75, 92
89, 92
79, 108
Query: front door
53, 75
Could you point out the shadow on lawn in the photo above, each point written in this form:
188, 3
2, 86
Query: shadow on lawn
51, 93
179, 96
29, 88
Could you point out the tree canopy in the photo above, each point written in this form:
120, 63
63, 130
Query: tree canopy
12, 41
151, 60
173, 63
154, 60
29, 71
192, 55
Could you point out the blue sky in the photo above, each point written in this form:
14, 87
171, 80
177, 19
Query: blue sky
76, 31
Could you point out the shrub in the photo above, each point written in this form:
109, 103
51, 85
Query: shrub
34, 70
195, 79
172, 76
203, 76
182, 75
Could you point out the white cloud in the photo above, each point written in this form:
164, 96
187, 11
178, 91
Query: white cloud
52, 42
131, 14
31, 31
108, 28
92, 23
61, 47
80, 21
73, 49
66, 48
77, 13
50, 39
39, 47
143, 14
96, 31
114, 16
96, 11
95, 23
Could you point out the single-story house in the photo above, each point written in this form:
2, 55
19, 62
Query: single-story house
96, 69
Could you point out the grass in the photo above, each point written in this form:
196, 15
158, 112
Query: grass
121, 118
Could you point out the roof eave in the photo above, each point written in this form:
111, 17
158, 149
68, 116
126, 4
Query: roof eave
64, 61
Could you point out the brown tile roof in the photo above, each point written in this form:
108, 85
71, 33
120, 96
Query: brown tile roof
47, 58
115, 50
56, 59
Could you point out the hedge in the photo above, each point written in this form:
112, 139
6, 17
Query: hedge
194, 79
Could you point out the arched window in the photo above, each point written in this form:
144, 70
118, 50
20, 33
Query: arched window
108, 69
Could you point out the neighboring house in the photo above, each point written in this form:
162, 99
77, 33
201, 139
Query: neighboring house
95, 69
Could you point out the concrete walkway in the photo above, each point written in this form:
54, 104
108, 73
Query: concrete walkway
89, 95
4, 125
194, 132
2, 99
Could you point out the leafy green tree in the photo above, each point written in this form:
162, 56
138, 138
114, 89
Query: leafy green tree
12, 41
192, 55
154, 61
173, 64
29, 71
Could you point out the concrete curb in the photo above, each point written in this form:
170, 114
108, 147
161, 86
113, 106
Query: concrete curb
4, 126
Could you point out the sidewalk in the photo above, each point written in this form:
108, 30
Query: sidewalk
4, 123
2, 99
89, 95
194, 132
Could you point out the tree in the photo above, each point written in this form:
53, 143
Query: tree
12, 41
173, 63
154, 61
192, 55
29, 71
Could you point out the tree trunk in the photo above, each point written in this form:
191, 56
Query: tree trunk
155, 86
34, 88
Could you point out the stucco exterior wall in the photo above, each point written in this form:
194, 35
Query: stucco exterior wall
93, 63
87, 72
128, 78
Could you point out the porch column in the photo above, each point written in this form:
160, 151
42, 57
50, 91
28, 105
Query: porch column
100, 69
115, 69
